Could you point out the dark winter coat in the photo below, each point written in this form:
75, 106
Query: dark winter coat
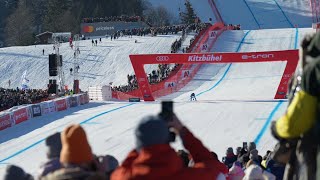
300, 124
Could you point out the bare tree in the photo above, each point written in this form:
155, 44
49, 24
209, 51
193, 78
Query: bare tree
158, 16
19, 28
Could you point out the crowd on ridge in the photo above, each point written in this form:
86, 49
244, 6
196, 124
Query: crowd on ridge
15, 97
164, 70
123, 18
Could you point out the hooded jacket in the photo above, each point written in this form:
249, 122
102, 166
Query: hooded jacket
162, 162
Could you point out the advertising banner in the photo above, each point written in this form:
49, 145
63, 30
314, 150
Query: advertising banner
45, 108
82, 99
213, 34
86, 98
52, 106
73, 101
61, 105
36, 110
108, 28
169, 85
20, 115
5, 121
290, 56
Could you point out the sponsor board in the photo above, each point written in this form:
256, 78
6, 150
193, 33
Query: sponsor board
86, 97
213, 34
36, 110
61, 105
5, 121
20, 115
162, 58
204, 58
82, 99
73, 101
258, 56
52, 106
45, 108
108, 28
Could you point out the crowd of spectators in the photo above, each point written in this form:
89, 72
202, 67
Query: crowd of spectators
113, 19
155, 77
16, 97
70, 156
234, 27
164, 70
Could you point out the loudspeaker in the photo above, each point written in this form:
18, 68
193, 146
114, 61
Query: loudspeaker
53, 69
52, 88
52, 81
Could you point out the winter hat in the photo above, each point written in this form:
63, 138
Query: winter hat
253, 172
312, 44
108, 163
254, 155
75, 146
152, 130
54, 145
16, 173
252, 146
230, 150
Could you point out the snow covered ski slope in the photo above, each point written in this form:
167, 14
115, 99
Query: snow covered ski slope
234, 105
102, 64
261, 14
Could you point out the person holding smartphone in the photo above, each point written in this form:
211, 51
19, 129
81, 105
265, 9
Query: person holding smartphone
154, 158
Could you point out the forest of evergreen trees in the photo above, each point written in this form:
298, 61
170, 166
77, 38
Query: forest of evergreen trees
21, 20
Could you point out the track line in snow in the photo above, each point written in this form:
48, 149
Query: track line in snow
226, 72
267, 123
284, 14
42, 140
254, 17
276, 108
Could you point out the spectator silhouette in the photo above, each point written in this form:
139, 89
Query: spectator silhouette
153, 158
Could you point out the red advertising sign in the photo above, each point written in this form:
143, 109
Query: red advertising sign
20, 115
61, 105
291, 56
5, 121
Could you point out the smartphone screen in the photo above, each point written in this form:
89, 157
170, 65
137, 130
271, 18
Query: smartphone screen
167, 110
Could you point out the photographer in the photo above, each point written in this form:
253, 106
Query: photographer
298, 129
153, 157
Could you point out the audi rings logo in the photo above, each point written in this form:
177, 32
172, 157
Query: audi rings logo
162, 58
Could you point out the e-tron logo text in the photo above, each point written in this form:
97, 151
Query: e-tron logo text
258, 56
162, 58
205, 58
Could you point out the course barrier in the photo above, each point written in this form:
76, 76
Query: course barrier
21, 114
203, 43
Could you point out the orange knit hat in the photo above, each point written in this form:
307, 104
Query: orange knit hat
75, 146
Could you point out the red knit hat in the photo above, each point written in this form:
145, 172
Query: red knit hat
75, 146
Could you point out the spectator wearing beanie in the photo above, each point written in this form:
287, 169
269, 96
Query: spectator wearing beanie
230, 158
108, 164
76, 157
154, 159
16, 173
257, 173
54, 146
236, 172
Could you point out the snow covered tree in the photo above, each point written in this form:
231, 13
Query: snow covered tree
189, 16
